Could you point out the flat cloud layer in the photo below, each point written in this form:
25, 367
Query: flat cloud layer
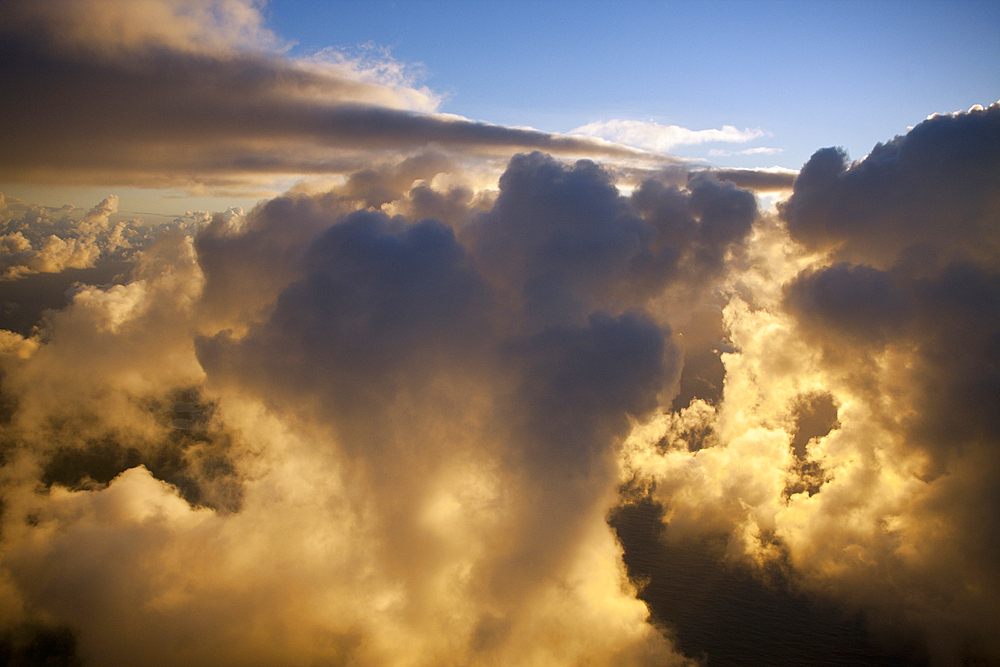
182, 93
383, 419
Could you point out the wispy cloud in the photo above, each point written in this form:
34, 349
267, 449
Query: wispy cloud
759, 150
662, 138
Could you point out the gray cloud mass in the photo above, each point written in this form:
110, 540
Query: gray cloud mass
152, 113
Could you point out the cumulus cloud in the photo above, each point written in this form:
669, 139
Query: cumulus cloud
886, 312
887, 208
74, 244
386, 427
402, 405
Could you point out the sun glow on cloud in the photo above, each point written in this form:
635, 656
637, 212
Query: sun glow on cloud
384, 418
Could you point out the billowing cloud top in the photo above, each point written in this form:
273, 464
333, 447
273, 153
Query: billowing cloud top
383, 426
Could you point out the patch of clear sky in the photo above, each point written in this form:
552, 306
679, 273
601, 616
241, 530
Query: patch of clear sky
813, 74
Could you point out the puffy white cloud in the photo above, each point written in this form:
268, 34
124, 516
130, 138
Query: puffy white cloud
76, 244
662, 138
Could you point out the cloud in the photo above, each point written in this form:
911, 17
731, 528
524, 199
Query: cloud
662, 138
570, 243
382, 426
74, 244
762, 180
115, 28
383, 418
889, 205
860, 302
189, 93
515, 354
759, 150
889, 309
354, 423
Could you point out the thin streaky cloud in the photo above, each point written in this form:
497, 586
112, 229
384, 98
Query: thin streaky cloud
662, 138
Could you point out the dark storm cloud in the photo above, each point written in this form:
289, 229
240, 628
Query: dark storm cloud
959, 340
381, 302
385, 305
923, 210
926, 197
695, 228
377, 294
725, 214
576, 391
863, 303
581, 384
247, 262
155, 110
452, 206
565, 242
559, 245
559, 238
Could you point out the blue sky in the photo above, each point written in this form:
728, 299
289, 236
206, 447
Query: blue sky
811, 74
